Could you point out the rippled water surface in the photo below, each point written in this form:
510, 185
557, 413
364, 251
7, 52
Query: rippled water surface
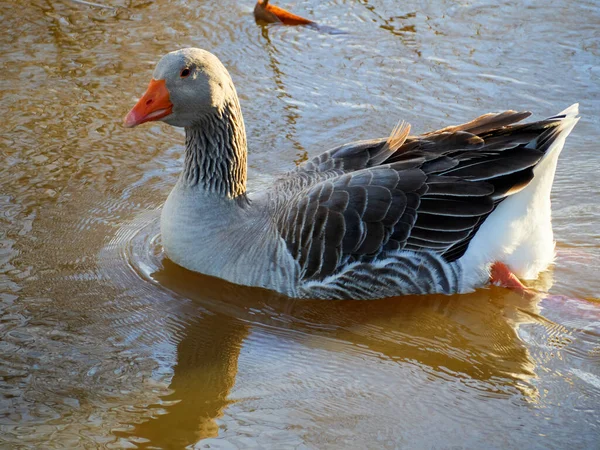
104, 343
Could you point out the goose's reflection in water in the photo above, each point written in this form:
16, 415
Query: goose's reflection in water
469, 339
207, 363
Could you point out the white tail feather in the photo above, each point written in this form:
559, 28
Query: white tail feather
519, 232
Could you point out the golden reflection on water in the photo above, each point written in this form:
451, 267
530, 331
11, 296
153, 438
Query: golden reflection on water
104, 343
203, 376
471, 337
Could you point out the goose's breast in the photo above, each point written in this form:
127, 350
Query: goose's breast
223, 240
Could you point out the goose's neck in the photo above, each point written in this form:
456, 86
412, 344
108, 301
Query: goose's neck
216, 153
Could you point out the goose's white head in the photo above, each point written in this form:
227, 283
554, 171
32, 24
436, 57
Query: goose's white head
186, 86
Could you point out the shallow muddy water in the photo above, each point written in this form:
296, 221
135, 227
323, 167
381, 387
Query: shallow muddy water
104, 343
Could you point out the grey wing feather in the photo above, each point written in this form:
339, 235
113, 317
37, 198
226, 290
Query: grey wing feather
429, 192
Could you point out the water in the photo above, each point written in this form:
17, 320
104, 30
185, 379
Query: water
106, 344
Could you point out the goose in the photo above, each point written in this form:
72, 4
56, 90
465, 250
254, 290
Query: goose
444, 212
265, 12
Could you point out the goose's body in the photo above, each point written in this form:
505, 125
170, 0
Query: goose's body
371, 219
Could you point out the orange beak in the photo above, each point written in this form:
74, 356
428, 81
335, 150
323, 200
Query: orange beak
154, 105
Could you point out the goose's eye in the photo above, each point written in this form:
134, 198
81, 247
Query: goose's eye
184, 73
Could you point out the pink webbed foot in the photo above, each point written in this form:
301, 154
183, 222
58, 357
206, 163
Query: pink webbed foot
500, 275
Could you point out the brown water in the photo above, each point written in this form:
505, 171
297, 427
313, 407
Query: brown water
106, 344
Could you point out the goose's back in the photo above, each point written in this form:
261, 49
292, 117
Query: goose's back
359, 214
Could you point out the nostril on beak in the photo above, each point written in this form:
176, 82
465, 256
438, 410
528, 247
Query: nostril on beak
148, 102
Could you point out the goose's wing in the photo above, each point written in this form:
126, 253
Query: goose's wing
370, 153
362, 214
362, 154
429, 192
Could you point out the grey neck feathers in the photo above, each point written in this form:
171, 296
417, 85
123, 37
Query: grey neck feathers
215, 153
